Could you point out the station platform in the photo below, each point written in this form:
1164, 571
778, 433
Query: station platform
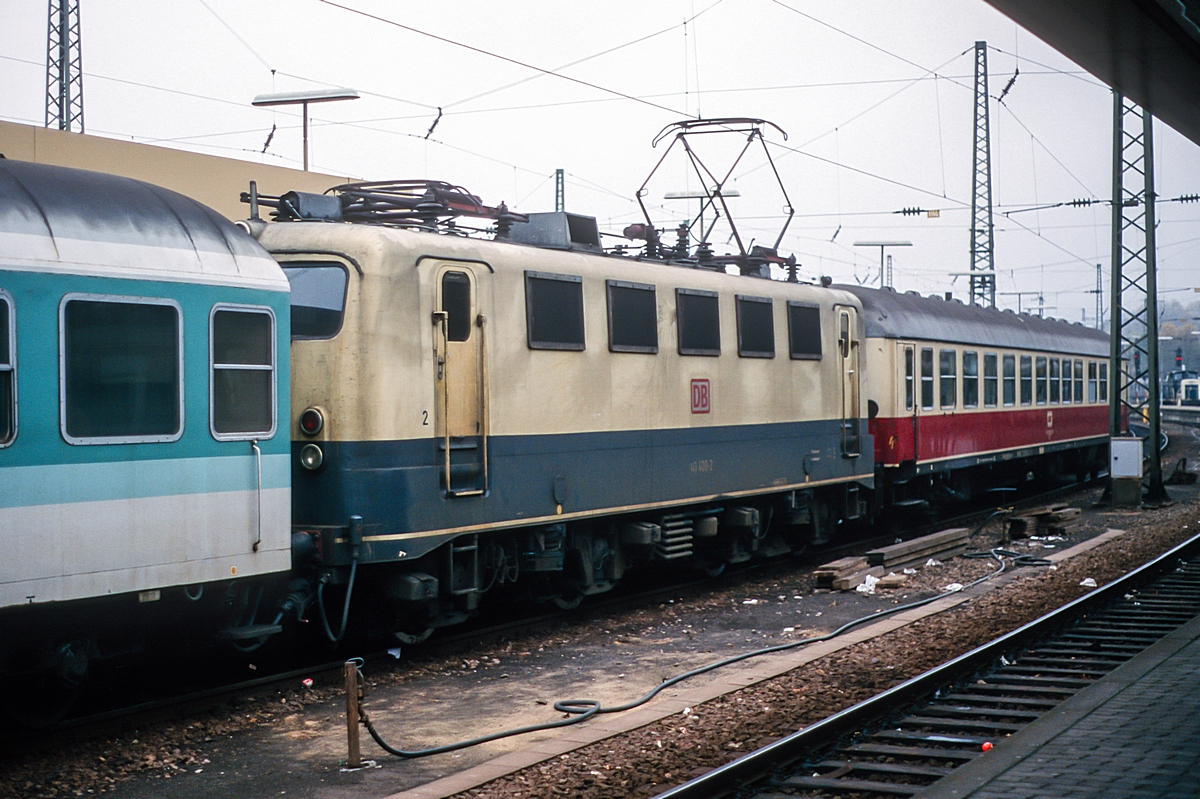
1134, 734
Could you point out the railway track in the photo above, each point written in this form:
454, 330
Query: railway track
177, 705
909, 737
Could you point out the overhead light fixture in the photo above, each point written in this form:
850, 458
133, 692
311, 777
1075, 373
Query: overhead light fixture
303, 99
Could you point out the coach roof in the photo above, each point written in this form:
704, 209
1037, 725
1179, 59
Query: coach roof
70, 220
890, 314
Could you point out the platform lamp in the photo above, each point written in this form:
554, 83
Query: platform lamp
882, 245
303, 99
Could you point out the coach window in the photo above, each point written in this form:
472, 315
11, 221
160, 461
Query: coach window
1093, 386
1054, 378
1079, 381
1066, 380
804, 331
1026, 380
970, 380
632, 317
1103, 382
1010, 380
989, 380
756, 327
698, 315
1039, 373
242, 376
8, 371
948, 378
318, 298
554, 311
926, 377
120, 368
909, 367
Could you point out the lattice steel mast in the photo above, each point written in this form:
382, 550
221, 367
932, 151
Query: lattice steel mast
983, 268
1133, 311
64, 67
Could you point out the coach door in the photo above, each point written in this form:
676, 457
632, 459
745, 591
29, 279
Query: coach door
849, 353
460, 327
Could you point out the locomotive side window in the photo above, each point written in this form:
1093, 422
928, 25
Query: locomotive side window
456, 302
318, 299
804, 331
1010, 380
926, 377
1066, 380
8, 371
120, 368
970, 380
1054, 378
699, 321
989, 380
1079, 381
632, 317
1039, 366
1026, 380
554, 311
1093, 386
242, 373
756, 327
1103, 382
908, 378
948, 378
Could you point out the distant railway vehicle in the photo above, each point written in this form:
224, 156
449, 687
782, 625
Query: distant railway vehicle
965, 398
143, 460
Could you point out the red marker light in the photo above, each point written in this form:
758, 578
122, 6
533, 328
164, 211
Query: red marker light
987, 745
311, 422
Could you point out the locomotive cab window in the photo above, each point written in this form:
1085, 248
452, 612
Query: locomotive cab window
1054, 381
242, 373
318, 298
990, 380
8, 371
804, 330
970, 363
756, 327
926, 378
120, 369
1010, 380
698, 314
1039, 366
947, 378
632, 317
456, 302
554, 311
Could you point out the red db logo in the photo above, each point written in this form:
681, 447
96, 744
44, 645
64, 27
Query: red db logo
701, 396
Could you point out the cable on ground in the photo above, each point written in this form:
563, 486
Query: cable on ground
580, 710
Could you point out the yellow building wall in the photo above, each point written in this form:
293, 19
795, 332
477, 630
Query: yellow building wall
215, 181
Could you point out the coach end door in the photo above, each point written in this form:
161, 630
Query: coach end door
460, 327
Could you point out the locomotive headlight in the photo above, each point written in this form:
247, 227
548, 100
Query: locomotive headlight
311, 457
311, 422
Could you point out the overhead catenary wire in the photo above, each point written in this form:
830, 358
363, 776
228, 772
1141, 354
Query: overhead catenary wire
580, 710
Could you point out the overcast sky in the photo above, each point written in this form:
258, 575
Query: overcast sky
881, 88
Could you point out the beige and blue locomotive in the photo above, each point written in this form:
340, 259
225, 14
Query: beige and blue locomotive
523, 406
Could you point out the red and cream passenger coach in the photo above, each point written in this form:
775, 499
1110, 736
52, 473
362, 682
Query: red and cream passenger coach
962, 396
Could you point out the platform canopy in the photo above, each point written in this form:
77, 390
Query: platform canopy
1147, 49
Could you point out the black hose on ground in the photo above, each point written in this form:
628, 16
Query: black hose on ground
580, 710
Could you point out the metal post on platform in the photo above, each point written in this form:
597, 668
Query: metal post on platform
354, 754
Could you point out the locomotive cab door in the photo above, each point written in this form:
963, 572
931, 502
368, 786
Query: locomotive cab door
460, 375
848, 356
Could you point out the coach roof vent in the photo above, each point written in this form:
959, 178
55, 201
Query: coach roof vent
558, 230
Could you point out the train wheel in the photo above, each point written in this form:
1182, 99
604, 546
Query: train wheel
41, 695
567, 601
